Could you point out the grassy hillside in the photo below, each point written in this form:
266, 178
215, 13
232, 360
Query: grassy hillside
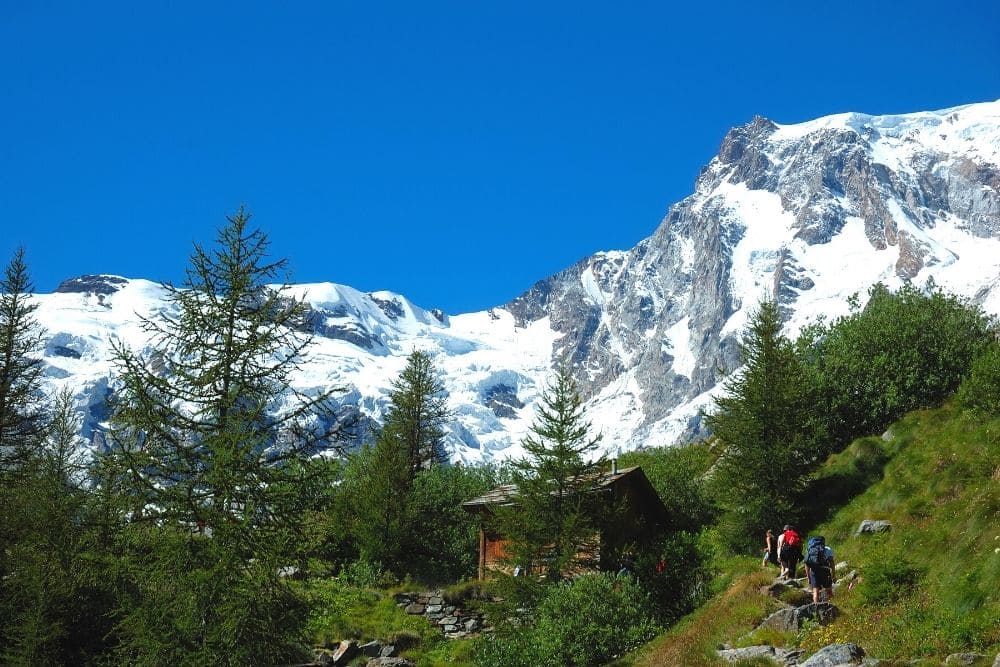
927, 588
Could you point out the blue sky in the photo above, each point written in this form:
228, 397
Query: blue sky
455, 152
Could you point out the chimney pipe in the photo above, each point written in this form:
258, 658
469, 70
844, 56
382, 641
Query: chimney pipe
614, 466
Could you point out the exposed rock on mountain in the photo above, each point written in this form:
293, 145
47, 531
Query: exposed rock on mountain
807, 214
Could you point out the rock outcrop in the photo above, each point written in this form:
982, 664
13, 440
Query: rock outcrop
836, 655
870, 526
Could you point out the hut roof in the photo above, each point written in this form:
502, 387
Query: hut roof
649, 501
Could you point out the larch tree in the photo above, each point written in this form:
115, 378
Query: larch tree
770, 433
22, 414
418, 412
551, 519
218, 476
382, 476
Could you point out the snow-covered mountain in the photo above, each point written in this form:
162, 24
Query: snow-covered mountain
808, 213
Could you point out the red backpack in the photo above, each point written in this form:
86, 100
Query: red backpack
792, 539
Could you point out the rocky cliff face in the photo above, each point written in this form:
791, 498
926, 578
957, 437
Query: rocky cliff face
808, 214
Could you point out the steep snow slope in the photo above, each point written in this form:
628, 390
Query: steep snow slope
491, 367
808, 213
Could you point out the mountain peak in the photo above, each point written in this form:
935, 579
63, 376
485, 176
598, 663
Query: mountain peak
807, 214
93, 284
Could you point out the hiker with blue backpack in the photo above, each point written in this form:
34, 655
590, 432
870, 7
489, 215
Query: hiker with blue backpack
819, 567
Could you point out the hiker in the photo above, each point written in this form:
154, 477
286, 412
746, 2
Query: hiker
770, 549
819, 567
789, 551
627, 564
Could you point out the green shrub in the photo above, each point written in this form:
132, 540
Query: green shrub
509, 649
685, 582
981, 389
905, 350
588, 621
887, 580
678, 475
364, 574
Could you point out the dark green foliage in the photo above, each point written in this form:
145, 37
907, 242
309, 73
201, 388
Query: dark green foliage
443, 542
55, 600
418, 413
376, 500
906, 350
887, 579
53, 608
57, 595
328, 543
381, 480
981, 389
679, 476
218, 482
554, 516
21, 414
194, 602
587, 621
854, 470
769, 428
412, 527
684, 583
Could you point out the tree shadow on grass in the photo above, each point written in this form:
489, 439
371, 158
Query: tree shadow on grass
861, 465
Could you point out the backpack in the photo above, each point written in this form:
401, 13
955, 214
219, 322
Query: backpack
792, 539
816, 553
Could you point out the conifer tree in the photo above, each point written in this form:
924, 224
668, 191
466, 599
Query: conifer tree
418, 412
771, 433
21, 412
382, 476
378, 481
551, 520
218, 478
63, 456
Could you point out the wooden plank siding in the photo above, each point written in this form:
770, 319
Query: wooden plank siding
641, 514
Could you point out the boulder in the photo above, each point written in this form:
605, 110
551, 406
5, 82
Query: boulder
792, 618
996, 662
747, 653
846, 579
390, 662
836, 655
782, 620
372, 649
780, 655
388, 651
871, 526
344, 651
322, 657
415, 608
775, 589
841, 565
964, 659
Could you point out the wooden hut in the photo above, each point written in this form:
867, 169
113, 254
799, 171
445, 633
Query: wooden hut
640, 517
